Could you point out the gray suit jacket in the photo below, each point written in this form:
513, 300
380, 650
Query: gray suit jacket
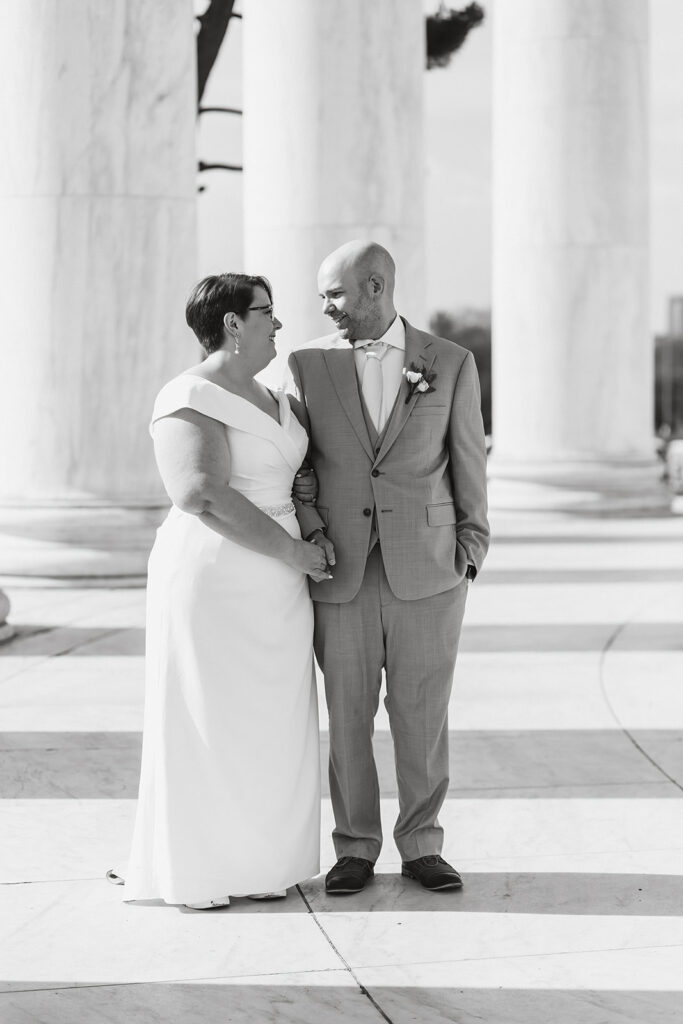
424, 484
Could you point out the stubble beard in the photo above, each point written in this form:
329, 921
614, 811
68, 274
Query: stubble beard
358, 328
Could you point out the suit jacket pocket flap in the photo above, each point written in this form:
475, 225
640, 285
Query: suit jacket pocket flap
441, 515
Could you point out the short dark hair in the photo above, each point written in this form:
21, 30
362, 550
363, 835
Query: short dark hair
215, 296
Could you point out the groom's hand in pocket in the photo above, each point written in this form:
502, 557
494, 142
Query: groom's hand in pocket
319, 538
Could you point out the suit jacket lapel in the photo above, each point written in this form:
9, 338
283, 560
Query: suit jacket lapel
418, 352
341, 367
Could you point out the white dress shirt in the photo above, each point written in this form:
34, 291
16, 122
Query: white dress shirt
391, 352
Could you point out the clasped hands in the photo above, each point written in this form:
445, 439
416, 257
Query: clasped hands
305, 490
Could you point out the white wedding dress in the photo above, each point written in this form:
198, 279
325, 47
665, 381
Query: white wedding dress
230, 785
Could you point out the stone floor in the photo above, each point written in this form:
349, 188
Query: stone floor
564, 814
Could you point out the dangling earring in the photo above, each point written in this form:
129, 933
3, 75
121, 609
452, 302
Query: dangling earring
237, 344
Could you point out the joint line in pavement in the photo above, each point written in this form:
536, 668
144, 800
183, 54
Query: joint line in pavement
347, 965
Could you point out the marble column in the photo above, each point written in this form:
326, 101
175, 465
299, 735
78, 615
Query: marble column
573, 355
332, 146
97, 255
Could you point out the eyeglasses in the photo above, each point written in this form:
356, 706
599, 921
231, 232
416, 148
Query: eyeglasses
266, 310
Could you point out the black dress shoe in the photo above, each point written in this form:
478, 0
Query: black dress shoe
433, 872
348, 875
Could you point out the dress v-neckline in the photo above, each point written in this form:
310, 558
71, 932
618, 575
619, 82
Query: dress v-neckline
278, 422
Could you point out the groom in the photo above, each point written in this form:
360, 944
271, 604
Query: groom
397, 444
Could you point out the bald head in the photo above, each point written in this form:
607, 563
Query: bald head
363, 259
356, 283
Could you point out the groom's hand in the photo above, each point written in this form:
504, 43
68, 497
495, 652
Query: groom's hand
319, 538
305, 486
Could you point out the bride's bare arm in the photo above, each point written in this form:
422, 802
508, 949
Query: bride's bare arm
194, 462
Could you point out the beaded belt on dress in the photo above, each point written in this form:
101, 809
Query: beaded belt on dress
278, 511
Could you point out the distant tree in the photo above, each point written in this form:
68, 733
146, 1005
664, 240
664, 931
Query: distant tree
447, 30
472, 330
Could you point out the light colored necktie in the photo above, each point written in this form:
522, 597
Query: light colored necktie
373, 383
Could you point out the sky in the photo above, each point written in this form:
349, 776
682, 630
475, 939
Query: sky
458, 167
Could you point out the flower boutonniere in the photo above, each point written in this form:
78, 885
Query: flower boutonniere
419, 379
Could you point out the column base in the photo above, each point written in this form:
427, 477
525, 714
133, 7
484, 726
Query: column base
6, 628
590, 487
77, 546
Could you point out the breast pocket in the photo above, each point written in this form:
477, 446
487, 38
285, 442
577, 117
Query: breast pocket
427, 410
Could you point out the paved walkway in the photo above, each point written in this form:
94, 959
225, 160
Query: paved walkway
564, 815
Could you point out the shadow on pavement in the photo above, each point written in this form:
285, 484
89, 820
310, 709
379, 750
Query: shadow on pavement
484, 764
308, 1000
611, 895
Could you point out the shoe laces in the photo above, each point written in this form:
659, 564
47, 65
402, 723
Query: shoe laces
432, 859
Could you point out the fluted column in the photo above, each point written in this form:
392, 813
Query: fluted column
97, 253
572, 349
332, 145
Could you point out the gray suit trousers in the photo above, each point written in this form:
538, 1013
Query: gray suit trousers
416, 642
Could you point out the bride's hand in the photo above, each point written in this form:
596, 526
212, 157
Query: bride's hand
309, 558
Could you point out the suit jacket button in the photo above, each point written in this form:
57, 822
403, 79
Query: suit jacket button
375, 472
367, 511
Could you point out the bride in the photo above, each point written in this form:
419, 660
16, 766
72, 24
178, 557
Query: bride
229, 791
